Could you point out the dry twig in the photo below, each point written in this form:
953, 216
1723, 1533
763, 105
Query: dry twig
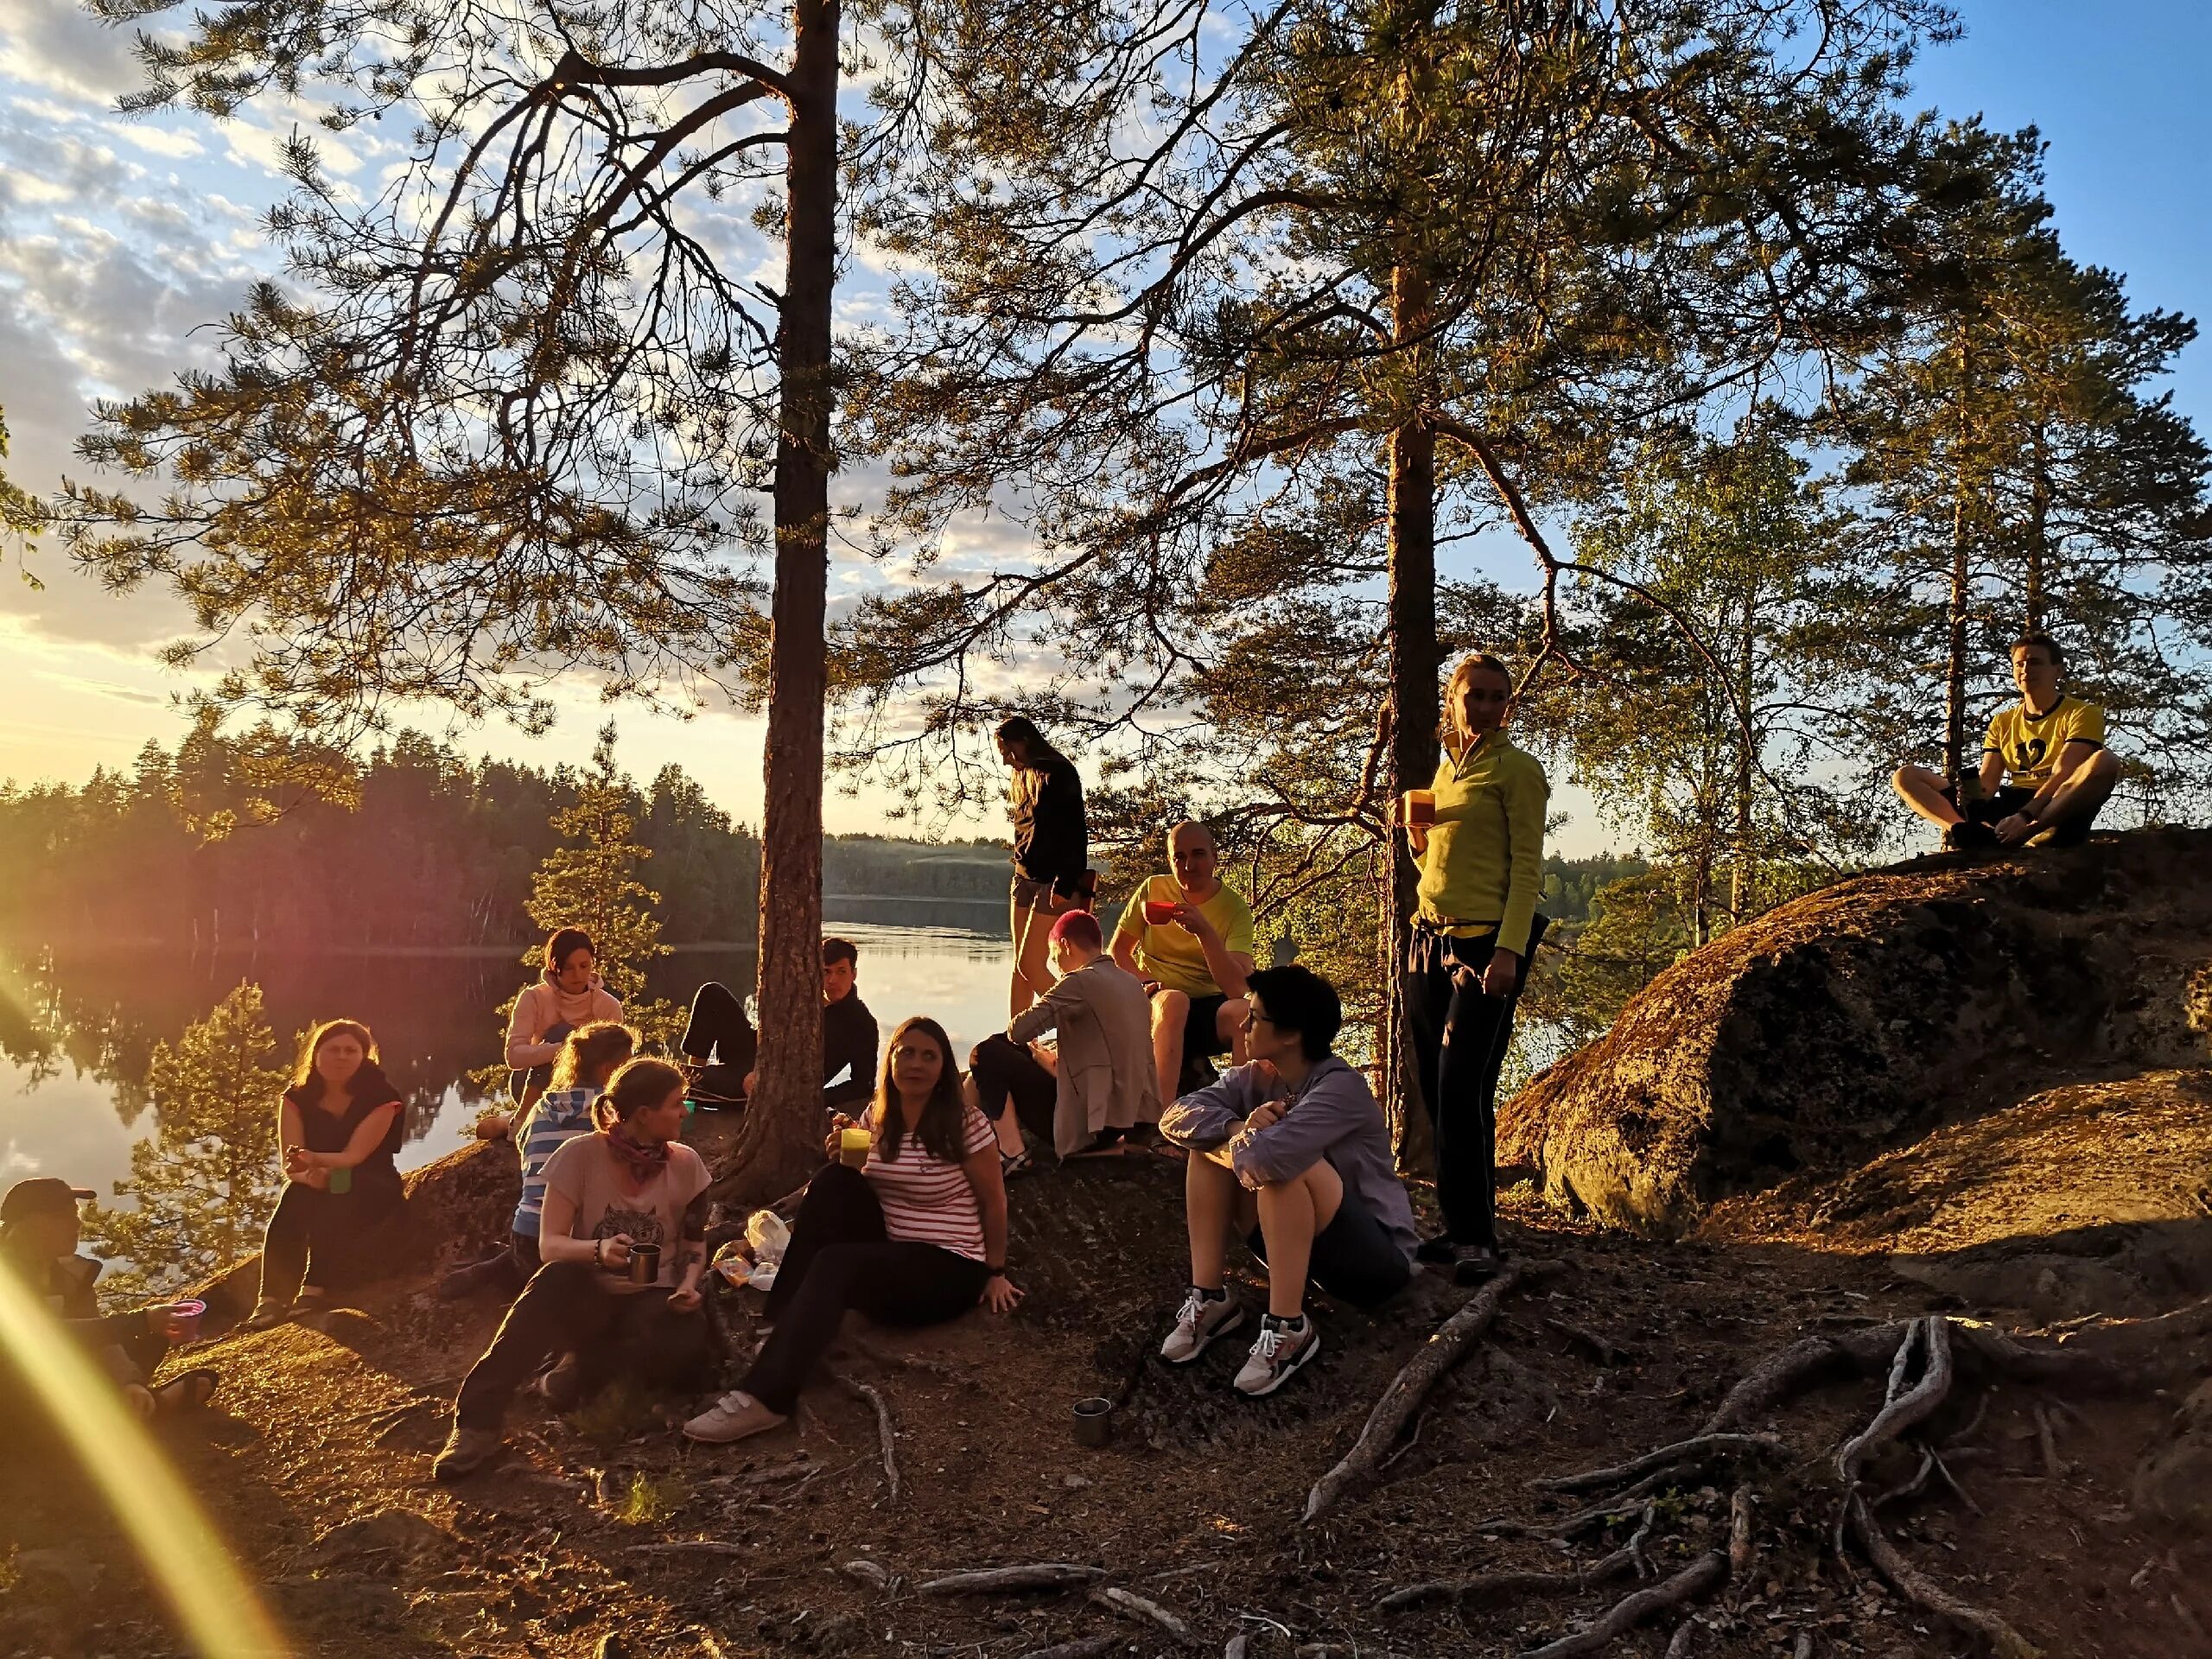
1701, 1447
1131, 1605
884, 1432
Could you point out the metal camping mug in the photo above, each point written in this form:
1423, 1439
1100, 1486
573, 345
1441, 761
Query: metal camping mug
645, 1263
1093, 1421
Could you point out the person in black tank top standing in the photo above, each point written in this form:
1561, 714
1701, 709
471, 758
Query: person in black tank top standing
339, 1127
1051, 852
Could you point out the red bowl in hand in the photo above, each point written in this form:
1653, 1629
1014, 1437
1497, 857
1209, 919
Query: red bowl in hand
1159, 914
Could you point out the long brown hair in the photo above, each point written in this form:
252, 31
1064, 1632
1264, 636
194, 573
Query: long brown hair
369, 1083
939, 1128
590, 1049
636, 1085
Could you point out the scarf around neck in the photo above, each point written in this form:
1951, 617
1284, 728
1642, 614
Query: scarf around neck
639, 1163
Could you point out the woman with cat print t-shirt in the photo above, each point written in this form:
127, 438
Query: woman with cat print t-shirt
629, 1184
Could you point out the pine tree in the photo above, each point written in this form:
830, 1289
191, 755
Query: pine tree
591, 881
204, 1183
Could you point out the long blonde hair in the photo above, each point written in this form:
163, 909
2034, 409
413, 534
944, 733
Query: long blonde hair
1447, 725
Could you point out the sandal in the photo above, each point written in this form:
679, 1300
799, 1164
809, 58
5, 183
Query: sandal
1012, 1164
189, 1391
267, 1312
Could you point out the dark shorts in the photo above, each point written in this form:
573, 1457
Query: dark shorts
1354, 1260
1047, 896
1202, 1029
1994, 809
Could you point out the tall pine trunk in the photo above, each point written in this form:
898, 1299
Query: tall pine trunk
1739, 874
782, 1137
2038, 533
1954, 678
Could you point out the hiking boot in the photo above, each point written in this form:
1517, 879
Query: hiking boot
267, 1312
466, 1450
1435, 1252
1282, 1347
1969, 838
1204, 1316
733, 1417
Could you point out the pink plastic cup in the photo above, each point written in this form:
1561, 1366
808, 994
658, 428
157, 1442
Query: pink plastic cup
184, 1320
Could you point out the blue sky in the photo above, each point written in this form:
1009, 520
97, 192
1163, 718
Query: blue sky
118, 238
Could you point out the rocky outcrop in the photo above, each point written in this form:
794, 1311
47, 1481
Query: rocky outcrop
1859, 1017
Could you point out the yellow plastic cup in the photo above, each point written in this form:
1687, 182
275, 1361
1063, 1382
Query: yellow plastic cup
853, 1145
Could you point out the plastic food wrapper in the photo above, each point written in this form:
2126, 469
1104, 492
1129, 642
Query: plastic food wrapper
754, 1259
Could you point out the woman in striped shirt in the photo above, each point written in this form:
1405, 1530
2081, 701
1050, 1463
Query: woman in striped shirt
915, 1237
588, 1057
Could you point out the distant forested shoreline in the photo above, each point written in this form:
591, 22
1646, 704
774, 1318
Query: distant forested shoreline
419, 847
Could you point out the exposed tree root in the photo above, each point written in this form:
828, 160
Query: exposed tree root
1907, 1581
1445, 1348
1679, 1646
1487, 1586
1631, 1611
1084, 1647
1903, 1408
1700, 1449
1006, 1580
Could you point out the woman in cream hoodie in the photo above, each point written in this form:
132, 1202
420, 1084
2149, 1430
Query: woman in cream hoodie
567, 994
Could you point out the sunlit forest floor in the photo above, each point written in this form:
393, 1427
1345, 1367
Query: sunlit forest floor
608, 1535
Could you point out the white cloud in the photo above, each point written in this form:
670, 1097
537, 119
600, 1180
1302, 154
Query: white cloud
160, 140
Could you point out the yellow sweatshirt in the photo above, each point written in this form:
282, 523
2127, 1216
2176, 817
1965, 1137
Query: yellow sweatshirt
1485, 863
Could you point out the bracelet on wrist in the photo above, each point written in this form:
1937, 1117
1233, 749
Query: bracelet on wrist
996, 1269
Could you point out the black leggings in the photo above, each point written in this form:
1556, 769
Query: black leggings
571, 1307
506, 1273
316, 1235
1004, 1070
839, 1258
1461, 1035
718, 1030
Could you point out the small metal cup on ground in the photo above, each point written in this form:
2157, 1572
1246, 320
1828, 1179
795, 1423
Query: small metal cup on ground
1094, 1420
645, 1263
852, 1147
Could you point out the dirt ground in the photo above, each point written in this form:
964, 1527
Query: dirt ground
608, 1535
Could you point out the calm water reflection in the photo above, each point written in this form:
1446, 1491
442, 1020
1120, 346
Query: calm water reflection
76, 1033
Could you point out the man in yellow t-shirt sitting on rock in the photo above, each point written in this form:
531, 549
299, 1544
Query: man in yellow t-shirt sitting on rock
2045, 771
1188, 936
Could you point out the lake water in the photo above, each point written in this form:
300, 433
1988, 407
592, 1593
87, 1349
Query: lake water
77, 1033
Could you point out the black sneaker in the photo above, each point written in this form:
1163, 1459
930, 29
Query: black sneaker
1436, 1252
1473, 1263
1968, 838
1282, 1348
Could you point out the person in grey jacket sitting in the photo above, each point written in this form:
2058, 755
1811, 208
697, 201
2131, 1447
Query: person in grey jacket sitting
1101, 1081
1291, 1151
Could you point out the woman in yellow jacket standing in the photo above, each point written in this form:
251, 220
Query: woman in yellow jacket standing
1478, 834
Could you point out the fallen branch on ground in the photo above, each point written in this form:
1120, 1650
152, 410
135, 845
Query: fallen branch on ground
691, 1546
1631, 1611
1602, 1348
1149, 1612
853, 1385
1444, 1348
1004, 1581
1740, 1551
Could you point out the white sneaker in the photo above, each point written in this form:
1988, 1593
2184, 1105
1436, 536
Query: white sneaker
1201, 1319
736, 1415
1276, 1355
